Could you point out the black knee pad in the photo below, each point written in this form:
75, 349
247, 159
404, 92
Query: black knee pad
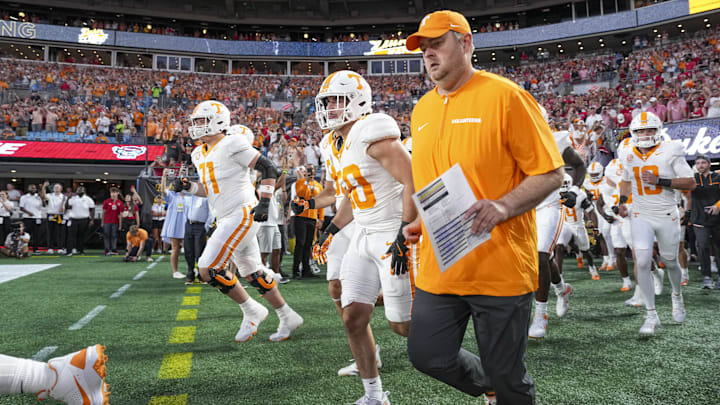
262, 281
222, 280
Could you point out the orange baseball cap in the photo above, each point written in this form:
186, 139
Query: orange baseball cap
437, 24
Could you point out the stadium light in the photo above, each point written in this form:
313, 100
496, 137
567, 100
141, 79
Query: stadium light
624, 42
581, 48
602, 45
708, 25
149, 26
562, 51
705, 20
493, 54
683, 31
21, 14
655, 30
559, 45
600, 39
512, 56
14, 180
204, 31
679, 26
13, 171
305, 35
579, 42
399, 33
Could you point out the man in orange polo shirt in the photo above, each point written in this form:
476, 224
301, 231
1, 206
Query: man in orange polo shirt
137, 243
305, 222
495, 131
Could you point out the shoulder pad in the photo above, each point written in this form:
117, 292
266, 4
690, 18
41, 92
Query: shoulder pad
235, 144
676, 148
562, 138
375, 127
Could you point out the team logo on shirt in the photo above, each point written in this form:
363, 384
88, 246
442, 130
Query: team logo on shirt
629, 158
128, 152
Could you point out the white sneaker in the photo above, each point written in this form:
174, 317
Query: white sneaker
678, 308
177, 274
74, 251
658, 277
539, 326
707, 283
62, 251
80, 378
563, 301
249, 325
685, 277
50, 251
352, 369
285, 328
652, 322
594, 273
633, 302
314, 268
365, 400
627, 286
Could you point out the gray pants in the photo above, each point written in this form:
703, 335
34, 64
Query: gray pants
501, 325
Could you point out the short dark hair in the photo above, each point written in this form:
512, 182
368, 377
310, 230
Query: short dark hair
703, 157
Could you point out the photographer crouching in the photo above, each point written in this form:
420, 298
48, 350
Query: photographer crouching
16, 242
137, 243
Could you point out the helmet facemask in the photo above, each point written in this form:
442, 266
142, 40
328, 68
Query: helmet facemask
645, 140
343, 113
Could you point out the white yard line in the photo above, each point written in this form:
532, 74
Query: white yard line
87, 318
153, 264
120, 291
139, 275
44, 353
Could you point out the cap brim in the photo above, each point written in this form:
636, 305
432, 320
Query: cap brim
413, 41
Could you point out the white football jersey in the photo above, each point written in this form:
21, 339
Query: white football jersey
224, 173
331, 156
593, 188
666, 160
575, 216
562, 139
375, 195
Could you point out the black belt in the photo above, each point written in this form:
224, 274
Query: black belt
196, 222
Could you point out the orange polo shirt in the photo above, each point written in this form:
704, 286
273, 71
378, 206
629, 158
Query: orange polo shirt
496, 132
141, 236
308, 189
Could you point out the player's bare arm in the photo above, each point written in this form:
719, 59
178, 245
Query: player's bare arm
395, 159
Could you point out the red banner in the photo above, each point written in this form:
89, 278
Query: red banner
86, 151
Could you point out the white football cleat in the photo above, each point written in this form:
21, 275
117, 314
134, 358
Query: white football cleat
352, 369
652, 322
593, 273
633, 302
80, 378
178, 275
678, 308
563, 301
365, 400
286, 327
627, 285
685, 277
538, 327
250, 323
658, 277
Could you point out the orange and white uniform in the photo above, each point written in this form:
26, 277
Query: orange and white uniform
654, 212
549, 213
574, 224
376, 199
224, 174
341, 241
620, 229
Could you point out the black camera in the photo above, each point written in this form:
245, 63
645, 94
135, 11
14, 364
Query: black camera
16, 243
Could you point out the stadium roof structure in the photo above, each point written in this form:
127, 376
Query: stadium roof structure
330, 13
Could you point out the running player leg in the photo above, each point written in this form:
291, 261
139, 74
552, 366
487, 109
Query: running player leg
549, 227
667, 231
642, 240
619, 246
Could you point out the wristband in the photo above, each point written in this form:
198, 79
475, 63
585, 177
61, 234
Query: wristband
623, 199
193, 188
266, 189
664, 182
332, 229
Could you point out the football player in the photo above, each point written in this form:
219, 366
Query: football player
574, 229
76, 378
652, 170
223, 163
374, 173
549, 217
333, 243
592, 184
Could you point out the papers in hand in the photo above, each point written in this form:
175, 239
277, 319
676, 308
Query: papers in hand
442, 205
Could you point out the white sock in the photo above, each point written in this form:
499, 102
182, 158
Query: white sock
23, 375
638, 295
651, 312
373, 388
541, 308
606, 259
283, 312
647, 287
249, 307
626, 280
559, 288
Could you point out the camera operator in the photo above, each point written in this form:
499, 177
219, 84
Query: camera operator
6, 208
16, 243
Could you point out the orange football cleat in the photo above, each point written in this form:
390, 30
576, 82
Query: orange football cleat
580, 262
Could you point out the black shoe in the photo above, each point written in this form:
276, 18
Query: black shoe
297, 276
310, 275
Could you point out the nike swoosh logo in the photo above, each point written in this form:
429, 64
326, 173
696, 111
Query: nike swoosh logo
454, 25
420, 128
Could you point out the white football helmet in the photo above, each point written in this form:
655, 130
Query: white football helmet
595, 172
242, 130
566, 183
209, 118
646, 120
352, 95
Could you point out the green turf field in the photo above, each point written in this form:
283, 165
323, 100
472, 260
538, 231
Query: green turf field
593, 356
